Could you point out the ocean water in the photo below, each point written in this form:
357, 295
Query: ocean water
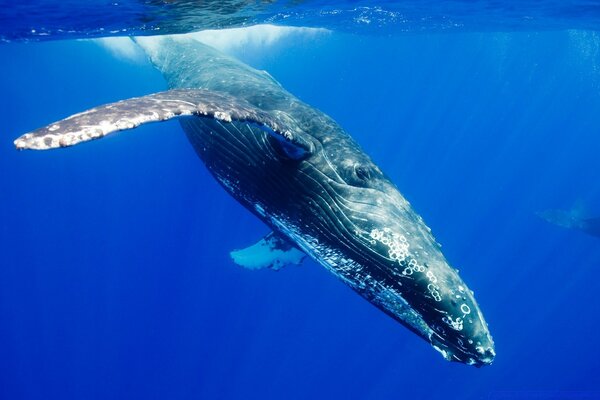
115, 276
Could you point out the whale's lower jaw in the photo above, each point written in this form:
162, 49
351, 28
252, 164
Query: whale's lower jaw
435, 327
357, 277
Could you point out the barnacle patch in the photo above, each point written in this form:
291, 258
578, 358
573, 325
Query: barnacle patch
398, 251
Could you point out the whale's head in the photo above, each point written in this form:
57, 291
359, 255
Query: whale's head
385, 252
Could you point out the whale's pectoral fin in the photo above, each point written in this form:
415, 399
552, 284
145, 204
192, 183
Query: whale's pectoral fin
131, 113
272, 252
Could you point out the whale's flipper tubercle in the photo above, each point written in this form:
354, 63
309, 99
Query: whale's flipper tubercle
272, 252
131, 113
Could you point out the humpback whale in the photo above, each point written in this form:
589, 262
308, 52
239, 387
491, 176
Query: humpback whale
574, 218
299, 172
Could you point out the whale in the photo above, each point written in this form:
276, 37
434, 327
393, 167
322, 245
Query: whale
575, 218
309, 181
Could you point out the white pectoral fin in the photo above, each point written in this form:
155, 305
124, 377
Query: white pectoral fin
271, 252
131, 113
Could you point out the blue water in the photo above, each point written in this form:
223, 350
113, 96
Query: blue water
115, 279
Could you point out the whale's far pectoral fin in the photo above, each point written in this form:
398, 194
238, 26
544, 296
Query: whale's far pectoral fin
131, 113
272, 252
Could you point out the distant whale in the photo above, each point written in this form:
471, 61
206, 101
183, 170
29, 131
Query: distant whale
573, 219
302, 175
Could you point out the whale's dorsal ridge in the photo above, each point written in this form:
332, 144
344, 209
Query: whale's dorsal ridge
101, 121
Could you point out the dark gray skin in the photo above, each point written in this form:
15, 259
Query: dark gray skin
299, 172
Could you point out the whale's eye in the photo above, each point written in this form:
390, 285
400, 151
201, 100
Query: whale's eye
362, 172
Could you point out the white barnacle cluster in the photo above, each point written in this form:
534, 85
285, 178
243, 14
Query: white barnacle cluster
223, 116
399, 251
397, 244
432, 287
458, 322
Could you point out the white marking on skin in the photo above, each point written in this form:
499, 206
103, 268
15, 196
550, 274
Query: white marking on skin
444, 353
456, 324
465, 309
222, 116
259, 209
399, 252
